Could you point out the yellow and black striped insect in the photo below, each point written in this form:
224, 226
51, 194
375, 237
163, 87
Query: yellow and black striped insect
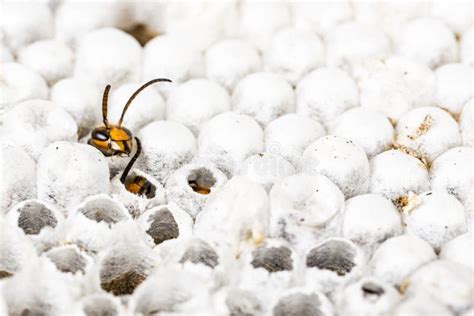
114, 139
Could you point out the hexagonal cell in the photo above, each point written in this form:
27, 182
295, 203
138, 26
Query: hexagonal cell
163, 226
68, 259
34, 216
201, 180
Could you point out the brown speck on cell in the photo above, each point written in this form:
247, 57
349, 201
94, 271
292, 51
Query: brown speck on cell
400, 202
413, 153
422, 128
402, 288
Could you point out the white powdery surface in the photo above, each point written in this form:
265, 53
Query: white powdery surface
308, 158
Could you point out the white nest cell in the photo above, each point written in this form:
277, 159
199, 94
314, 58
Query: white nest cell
457, 15
466, 47
52, 59
421, 304
466, 124
195, 102
17, 250
429, 41
192, 185
165, 223
428, 219
70, 26
368, 128
232, 300
260, 31
320, 17
395, 85
42, 290
303, 208
35, 124
267, 269
108, 56
147, 107
394, 174
367, 296
228, 138
19, 83
238, 213
264, 96
101, 304
293, 53
370, 219
350, 43
336, 93
67, 173
172, 57
398, 257
332, 264
135, 202
18, 184
302, 301
453, 87
228, 61
166, 147
266, 169
341, 160
427, 132
173, 289
459, 249
82, 99
452, 172
453, 289
23, 23
290, 134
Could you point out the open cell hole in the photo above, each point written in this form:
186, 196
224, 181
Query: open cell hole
200, 252
67, 259
163, 226
139, 185
99, 306
143, 33
298, 304
372, 291
273, 259
242, 303
333, 255
201, 180
34, 217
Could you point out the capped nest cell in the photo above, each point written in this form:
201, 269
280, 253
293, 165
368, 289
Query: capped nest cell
101, 304
192, 185
302, 301
101, 208
272, 259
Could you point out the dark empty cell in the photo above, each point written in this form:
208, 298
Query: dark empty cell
201, 252
67, 260
142, 33
272, 259
34, 217
298, 305
243, 303
100, 306
201, 180
333, 255
109, 216
371, 290
124, 283
163, 226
